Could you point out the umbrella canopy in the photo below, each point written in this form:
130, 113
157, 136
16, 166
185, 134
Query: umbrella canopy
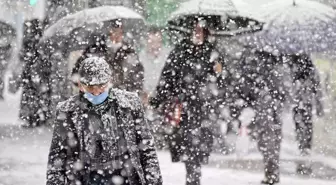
204, 7
294, 26
87, 17
221, 16
248, 8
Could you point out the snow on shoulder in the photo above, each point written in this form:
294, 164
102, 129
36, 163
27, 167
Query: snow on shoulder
126, 99
69, 104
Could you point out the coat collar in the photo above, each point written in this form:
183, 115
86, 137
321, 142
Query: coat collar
124, 99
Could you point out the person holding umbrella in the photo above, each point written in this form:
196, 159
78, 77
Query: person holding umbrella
101, 136
185, 83
123, 60
293, 27
187, 88
87, 30
263, 90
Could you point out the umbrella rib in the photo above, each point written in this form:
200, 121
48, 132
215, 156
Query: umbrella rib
178, 28
234, 32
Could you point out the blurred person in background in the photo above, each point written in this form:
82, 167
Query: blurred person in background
307, 95
184, 94
263, 90
120, 55
5, 54
153, 58
31, 102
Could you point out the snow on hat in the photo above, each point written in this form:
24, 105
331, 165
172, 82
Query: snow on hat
94, 71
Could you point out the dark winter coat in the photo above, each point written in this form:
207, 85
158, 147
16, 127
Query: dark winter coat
261, 85
29, 51
189, 76
68, 141
127, 71
228, 94
306, 81
48, 77
5, 54
261, 75
32, 103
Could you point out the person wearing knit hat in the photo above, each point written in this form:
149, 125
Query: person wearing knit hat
101, 136
94, 77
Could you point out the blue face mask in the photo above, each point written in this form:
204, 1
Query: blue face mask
96, 100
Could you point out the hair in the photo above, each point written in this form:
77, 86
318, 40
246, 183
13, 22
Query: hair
206, 30
116, 23
154, 29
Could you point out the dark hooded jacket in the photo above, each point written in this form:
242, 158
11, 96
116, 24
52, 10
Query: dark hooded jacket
68, 142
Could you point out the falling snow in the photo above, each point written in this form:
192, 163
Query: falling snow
167, 92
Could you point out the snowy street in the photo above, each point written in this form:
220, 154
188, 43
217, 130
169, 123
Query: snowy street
23, 158
23, 161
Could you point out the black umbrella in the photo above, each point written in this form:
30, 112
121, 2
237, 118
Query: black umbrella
75, 31
220, 17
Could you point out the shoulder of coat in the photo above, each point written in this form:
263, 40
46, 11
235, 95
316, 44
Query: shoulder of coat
126, 99
69, 104
127, 48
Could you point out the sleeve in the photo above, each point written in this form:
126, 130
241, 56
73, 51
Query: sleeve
56, 171
135, 77
167, 88
316, 83
148, 156
317, 90
77, 65
75, 70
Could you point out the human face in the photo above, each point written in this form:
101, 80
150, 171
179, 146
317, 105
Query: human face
154, 42
198, 35
94, 89
116, 35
